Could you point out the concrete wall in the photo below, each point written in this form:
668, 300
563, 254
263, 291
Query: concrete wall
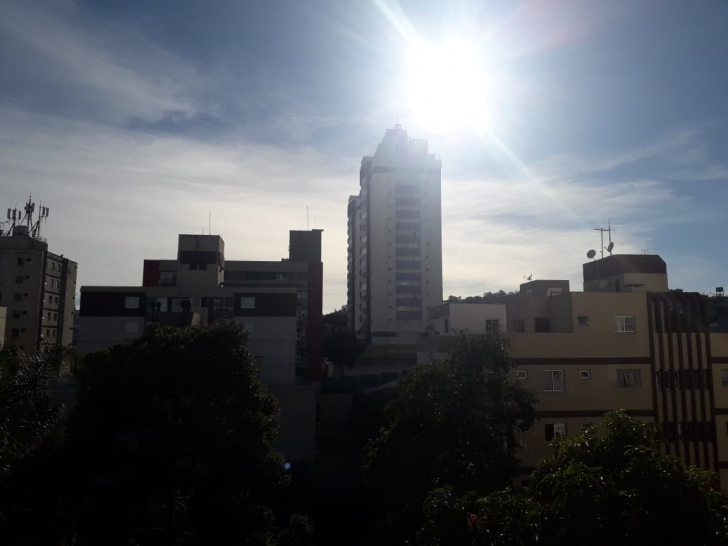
273, 340
297, 437
99, 333
3, 317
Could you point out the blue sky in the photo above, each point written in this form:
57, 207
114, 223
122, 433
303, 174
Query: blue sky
132, 120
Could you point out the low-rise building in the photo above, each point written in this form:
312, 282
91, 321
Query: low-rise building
626, 342
279, 303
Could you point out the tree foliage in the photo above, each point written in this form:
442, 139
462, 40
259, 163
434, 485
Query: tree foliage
608, 486
451, 423
170, 442
27, 417
488, 297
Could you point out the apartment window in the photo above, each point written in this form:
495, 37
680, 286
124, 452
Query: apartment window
553, 380
724, 377
18, 296
624, 324
629, 378
131, 302
131, 327
15, 332
582, 320
16, 314
521, 374
542, 324
408, 251
519, 326
19, 279
447, 326
247, 302
409, 315
53, 266
55, 316
492, 325
20, 261
584, 374
408, 276
554, 429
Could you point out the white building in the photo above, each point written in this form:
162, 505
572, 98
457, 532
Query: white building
395, 241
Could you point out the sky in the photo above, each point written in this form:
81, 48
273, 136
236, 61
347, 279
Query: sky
134, 121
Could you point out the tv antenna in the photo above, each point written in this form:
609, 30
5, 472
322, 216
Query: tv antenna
601, 231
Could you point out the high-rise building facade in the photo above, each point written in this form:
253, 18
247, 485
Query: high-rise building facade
36, 286
395, 241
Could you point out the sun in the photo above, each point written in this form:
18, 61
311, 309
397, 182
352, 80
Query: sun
447, 85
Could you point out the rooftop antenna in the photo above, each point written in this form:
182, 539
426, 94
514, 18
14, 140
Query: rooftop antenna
601, 231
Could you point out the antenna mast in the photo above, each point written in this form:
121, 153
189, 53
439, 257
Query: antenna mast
601, 231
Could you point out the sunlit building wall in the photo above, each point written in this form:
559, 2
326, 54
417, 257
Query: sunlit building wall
395, 241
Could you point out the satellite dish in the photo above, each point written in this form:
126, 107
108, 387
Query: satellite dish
591, 254
610, 247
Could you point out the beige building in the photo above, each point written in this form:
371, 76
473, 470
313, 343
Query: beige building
626, 342
38, 289
395, 242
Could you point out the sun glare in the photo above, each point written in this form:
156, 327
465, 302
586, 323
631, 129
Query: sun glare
447, 85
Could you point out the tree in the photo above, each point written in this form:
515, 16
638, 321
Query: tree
342, 348
609, 485
170, 442
27, 417
451, 423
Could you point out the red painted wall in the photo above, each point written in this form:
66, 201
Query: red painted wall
151, 273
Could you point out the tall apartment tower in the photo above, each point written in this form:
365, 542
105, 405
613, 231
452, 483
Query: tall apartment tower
395, 241
36, 286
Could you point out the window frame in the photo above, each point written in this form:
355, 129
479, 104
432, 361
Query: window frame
553, 382
625, 371
521, 374
129, 302
584, 374
247, 302
584, 322
620, 324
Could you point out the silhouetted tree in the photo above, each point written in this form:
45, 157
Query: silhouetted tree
452, 422
607, 486
170, 443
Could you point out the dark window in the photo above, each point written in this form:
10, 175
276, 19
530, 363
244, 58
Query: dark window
553, 429
542, 324
408, 302
407, 201
492, 325
20, 261
553, 380
409, 315
404, 239
408, 227
406, 213
409, 251
18, 296
407, 265
14, 332
582, 320
629, 378
447, 326
519, 326
406, 188
19, 279
408, 289
409, 276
